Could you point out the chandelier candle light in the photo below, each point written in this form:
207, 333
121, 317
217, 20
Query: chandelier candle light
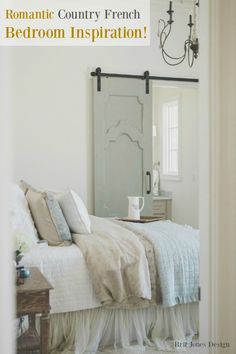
191, 45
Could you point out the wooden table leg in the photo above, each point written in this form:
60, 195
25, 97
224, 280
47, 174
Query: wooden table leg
44, 333
30, 338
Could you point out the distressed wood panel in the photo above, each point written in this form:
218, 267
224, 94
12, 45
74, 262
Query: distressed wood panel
123, 145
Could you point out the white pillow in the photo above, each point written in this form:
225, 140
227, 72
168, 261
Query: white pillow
20, 217
75, 212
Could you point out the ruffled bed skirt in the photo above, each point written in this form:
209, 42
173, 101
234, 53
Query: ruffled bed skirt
91, 330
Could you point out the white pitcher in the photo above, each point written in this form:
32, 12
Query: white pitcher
134, 208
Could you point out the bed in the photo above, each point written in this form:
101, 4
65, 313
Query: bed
81, 322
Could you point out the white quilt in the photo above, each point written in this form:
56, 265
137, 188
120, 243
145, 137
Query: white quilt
177, 259
66, 270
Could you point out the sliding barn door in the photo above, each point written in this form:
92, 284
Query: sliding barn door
123, 145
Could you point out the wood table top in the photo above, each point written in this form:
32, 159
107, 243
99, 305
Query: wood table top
36, 282
143, 219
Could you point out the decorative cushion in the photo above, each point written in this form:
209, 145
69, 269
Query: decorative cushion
20, 217
75, 212
48, 218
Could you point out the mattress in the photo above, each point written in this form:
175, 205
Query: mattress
66, 270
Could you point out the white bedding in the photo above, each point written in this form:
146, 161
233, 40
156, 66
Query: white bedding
66, 270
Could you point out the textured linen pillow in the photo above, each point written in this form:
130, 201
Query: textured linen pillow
20, 217
75, 212
48, 218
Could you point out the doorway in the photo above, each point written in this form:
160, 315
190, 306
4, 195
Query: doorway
175, 151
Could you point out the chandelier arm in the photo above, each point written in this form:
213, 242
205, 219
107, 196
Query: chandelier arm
173, 58
190, 45
190, 63
163, 22
166, 35
186, 43
180, 60
173, 64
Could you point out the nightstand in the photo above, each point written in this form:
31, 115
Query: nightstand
32, 298
161, 207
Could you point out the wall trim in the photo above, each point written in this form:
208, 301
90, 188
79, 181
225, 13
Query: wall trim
214, 139
7, 303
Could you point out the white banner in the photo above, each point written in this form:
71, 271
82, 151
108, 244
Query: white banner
75, 23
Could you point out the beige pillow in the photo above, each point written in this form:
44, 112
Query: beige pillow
48, 218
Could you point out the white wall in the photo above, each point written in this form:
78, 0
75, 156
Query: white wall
6, 265
52, 104
184, 189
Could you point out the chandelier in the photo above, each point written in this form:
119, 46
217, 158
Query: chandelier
191, 45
